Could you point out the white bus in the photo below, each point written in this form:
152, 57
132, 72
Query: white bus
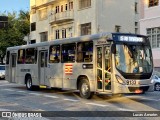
105, 63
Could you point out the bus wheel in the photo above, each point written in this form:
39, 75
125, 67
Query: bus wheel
29, 83
84, 89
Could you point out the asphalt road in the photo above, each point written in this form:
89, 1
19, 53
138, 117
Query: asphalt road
14, 97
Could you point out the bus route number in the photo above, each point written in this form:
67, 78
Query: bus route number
131, 82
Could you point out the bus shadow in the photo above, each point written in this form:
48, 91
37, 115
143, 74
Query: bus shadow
57, 91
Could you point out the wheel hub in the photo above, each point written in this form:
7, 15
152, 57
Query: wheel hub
85, 89
158, 87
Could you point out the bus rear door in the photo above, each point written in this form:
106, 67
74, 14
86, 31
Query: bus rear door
43, 67
103, 68
13, 67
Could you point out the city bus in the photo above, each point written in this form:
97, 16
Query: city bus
104, 63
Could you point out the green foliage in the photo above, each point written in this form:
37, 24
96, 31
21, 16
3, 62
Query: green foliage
13, 35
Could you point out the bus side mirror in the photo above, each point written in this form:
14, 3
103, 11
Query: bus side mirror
113, 49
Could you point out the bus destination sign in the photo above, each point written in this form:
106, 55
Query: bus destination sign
130, 39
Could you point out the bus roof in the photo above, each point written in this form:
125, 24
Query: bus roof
63, 41
107, 35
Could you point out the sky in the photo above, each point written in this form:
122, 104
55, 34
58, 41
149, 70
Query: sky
13, 5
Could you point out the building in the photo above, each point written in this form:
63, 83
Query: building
56, 19
150, 26
3, 22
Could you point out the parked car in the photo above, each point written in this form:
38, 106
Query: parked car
156, 83
2, 71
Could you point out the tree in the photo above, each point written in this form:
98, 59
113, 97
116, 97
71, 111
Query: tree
13, 35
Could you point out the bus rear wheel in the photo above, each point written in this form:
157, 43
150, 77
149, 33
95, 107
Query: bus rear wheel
29, 83
84, 89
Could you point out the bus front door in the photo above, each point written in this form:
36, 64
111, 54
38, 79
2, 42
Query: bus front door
103, 70
13, 68
43, 66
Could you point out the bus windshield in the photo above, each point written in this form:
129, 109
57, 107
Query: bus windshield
133, 58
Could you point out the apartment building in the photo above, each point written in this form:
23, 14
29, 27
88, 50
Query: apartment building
150, 26
57, 19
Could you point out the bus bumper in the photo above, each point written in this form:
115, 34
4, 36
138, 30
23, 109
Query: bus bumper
140, 89
134, 89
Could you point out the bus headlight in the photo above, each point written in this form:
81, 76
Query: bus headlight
119, 80
152, 81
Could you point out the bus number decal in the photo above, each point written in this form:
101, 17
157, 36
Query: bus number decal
68, 69
131, 82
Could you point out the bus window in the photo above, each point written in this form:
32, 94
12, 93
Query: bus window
7, 57
21, 56
54, 54
68, 53
30, 56
85, 52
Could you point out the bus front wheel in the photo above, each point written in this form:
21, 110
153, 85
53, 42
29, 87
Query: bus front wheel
29, 83
84, 89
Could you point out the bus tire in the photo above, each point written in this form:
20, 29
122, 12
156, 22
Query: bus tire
84, 89
29, 85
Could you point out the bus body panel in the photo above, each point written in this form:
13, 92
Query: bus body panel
65, 75
55, 75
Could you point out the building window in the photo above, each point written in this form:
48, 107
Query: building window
44, 36
136, 24
153, 3
136, 30
57, 34
85, 29
32, 41
64, 33
43, 14
70, 5
3, 22
136, 7
61, 8
33, 26
154, 36
57, 9
66, 7
117, 28
84, 3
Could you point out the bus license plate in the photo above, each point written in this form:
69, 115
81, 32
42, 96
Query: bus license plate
131, 82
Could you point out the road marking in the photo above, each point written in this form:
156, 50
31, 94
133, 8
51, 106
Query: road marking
143, 98
8, 90
35, 94
95, 104
71, 100
22, 91
149, 99
4, 81
50, 96
7, 84
124, 109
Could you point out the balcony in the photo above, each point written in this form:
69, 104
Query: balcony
65, 16
43, 3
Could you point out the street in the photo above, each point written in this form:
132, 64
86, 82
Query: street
14, 97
